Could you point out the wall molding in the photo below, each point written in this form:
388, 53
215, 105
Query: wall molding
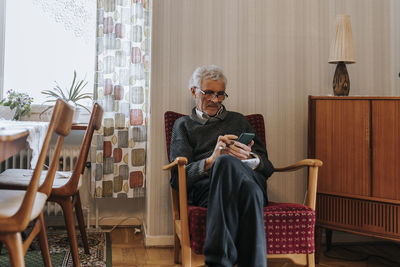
157, 240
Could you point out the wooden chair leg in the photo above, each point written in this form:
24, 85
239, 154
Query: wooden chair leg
318, 239
81, 222
310, 260
15, 250
44, 244
186, 257
176, 249
66, 206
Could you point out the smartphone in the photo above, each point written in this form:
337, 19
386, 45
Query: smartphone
245, 138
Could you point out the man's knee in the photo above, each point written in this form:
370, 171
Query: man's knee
225, 161
226, 171
226, 165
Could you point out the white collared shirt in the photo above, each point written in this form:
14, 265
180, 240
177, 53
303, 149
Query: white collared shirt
204, 116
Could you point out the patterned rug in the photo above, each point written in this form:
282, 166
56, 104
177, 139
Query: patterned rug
99, 243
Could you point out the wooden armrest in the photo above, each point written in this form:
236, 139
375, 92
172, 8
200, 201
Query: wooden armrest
300, 164
181, 224
313, 165
177, 161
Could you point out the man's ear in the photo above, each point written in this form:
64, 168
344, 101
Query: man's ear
193, 90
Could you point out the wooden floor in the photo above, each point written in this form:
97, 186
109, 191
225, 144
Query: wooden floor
128, 250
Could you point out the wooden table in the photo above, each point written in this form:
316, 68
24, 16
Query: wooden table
79, 126
11, 142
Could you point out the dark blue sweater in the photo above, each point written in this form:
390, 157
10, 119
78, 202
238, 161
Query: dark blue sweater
196, 140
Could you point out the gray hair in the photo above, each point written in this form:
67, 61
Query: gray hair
210, 72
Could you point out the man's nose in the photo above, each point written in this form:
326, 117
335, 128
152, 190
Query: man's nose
214, 99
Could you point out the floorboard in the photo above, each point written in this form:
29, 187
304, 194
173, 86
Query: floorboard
128, 250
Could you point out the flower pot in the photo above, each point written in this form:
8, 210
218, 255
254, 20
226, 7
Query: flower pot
75, 118
6, 113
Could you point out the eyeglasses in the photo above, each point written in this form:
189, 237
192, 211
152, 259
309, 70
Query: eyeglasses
210, 94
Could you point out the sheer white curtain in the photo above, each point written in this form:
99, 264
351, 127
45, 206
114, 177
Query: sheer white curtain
45, 41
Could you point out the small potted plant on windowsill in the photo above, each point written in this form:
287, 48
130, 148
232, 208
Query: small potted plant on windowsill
72, 96
15, 105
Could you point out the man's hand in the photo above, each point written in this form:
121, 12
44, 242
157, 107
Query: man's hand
221, 148
239, 150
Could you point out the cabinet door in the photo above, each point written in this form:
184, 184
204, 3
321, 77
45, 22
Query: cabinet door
342, 142
386, 149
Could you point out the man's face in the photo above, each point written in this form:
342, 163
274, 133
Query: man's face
203, 102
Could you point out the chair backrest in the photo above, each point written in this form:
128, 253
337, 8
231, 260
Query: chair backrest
255, 120
60, 124
94, 124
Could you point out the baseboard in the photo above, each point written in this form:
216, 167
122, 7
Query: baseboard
113, 221
119, 221
157, 240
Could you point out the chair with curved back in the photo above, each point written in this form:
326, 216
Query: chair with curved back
289, 227
19, 207
65, 190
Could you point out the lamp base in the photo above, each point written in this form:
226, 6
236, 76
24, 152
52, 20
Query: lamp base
341, 81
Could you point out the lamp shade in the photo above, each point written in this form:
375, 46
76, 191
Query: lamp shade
342, 49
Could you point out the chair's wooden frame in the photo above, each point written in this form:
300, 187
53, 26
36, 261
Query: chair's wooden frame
11, 227
67, 196
180, 215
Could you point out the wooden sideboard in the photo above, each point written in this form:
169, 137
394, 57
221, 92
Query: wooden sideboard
358, 140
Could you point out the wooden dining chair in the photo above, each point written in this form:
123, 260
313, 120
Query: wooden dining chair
289, 227
19, 207
65, 189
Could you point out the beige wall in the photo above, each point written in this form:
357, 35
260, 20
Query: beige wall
395, 55
274, 54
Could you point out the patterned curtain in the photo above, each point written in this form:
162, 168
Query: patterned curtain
122, 83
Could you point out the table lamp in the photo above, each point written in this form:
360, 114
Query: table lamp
342, 53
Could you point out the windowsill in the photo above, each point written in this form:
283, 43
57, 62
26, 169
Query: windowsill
38, 115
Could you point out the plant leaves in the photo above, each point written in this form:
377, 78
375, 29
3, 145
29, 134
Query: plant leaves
72, 86
83, 107
61, 94
74, 94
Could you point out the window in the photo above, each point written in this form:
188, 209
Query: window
45, 41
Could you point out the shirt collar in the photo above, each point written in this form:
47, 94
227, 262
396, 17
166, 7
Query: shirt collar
203, 118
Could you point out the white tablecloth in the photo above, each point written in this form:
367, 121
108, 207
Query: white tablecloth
37, 132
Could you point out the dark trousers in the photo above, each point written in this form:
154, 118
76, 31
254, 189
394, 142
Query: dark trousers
234, 195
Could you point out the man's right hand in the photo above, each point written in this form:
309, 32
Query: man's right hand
220, 149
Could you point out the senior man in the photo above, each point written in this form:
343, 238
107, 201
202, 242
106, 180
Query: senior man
224, 175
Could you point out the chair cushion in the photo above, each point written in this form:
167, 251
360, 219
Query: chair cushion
11, 201
22, 177
289, 228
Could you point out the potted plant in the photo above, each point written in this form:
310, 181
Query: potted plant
16, 105
72, 95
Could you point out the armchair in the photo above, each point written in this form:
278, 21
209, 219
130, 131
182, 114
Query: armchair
289, 228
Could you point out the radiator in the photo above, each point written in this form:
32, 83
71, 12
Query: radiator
67, 160
22, 160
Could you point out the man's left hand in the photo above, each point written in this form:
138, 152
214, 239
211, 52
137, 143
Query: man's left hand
239, 150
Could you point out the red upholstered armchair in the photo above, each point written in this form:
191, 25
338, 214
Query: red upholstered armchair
289, 228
